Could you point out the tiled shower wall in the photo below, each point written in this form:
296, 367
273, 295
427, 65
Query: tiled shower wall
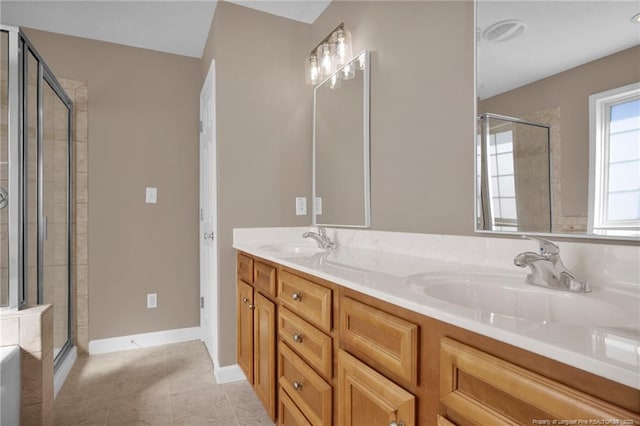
77, 91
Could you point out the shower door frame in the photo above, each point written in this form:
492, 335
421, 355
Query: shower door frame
19, 48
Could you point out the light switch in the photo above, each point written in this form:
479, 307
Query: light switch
301, 206
317, 206
151, 195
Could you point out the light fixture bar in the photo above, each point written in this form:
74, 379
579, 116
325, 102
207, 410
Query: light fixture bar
326, 39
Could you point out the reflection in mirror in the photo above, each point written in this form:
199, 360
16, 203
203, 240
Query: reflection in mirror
571, 67
513, 175
341, 147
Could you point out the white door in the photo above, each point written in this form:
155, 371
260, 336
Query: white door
208, 217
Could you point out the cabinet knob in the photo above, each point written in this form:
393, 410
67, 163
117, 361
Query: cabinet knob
297, 338
245, 300
394, 423
296, 296
297, 385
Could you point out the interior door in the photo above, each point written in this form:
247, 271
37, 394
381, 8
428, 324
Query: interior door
208, 240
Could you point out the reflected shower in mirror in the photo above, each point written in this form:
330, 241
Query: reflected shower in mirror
341, 147
571, 67
513, 179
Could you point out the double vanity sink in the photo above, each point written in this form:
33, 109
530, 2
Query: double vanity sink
597, 331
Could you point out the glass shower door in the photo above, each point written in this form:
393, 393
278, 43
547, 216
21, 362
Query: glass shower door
54, 217
4, 167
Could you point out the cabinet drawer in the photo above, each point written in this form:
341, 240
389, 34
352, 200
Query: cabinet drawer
288, 413
306, 388
476, 387
245, 268
309, 342
264, 277
389, 343
305, 298
365, 397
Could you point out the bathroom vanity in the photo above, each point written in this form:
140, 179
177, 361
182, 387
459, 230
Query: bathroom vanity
326, 339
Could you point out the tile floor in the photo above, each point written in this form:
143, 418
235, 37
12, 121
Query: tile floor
164, 385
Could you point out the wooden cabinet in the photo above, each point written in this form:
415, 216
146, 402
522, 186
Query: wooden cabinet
310, 392
264, 353
306, 298
244, 327
386, 341
366, 397
305, 355
383, 364
257, 328
476, 387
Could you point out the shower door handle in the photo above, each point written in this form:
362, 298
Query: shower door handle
45, 229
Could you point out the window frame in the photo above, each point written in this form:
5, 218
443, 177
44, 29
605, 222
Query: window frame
599, 142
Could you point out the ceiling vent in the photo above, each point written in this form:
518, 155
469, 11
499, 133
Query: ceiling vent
504, 30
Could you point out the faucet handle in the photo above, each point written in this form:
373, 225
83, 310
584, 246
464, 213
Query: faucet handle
322, 232
547, 248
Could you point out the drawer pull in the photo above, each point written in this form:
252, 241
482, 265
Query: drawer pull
296, 296
297, 338
297, 385
394, 423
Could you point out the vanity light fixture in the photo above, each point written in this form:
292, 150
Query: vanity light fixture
330, 55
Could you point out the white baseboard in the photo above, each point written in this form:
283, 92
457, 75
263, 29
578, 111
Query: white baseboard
63, 371
144, 340
227, 374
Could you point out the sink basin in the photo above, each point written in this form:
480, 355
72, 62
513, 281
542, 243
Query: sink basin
293, 249
508, 296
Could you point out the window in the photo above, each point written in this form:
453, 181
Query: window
614, 162
502, 180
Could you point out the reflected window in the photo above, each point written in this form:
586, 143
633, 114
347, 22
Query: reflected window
615, 162
502, 181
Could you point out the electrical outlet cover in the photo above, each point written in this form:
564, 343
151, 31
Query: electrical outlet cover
301, 206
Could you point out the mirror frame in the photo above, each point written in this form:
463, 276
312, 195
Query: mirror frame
482, 232
366, 146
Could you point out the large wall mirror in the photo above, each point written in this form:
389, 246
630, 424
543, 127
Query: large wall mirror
341, 147
558, 131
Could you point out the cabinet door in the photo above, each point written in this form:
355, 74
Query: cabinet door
244, 327
264, 353
365, 397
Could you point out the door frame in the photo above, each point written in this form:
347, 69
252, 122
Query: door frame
209, 294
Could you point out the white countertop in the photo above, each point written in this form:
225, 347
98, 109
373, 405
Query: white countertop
613, 353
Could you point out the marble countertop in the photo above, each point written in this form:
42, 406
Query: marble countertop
610, 352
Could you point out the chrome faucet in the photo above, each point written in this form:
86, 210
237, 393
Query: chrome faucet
321, 238
547, 269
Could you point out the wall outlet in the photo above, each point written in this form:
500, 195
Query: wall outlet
301, 206
152, 300
151, 196
317, 206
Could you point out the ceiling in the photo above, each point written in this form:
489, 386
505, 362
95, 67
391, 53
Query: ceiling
179, 27
559, 35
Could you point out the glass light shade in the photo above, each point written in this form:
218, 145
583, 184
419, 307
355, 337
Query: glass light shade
326, 59
343, 46
312, 70
335, 81
348, 72
360, 62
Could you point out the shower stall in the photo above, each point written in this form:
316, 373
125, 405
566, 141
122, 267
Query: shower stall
35, 186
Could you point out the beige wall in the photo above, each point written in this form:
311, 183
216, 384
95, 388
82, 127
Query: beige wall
570, 92
263, 134
142, 132
421, 109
